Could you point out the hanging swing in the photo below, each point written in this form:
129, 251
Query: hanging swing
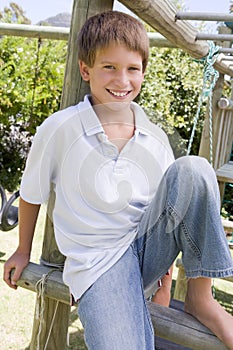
8, 211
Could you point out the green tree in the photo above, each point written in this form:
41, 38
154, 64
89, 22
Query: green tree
14, 13
31, 78
170, 94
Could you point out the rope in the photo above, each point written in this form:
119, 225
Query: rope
36, 75
210, 76
40, 307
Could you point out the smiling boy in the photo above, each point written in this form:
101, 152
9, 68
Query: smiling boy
124, 207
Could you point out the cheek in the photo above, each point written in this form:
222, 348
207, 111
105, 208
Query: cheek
103, 78
139, 80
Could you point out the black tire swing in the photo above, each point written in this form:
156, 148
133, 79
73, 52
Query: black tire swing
8, 211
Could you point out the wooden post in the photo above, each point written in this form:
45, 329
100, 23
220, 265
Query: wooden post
73, 91
204, 150
181, 282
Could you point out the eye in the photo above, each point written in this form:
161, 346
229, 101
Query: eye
134, 68
108, 66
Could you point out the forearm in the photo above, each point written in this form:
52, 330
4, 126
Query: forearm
28, 214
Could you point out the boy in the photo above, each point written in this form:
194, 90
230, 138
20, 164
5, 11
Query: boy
124, 208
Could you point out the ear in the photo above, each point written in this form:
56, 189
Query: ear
84, 70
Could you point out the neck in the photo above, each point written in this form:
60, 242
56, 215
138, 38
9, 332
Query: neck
117, 121
116, 112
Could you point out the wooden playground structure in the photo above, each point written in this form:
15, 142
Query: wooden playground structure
173, 31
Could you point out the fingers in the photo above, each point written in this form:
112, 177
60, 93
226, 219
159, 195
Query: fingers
10, 280
15, 276
17, 262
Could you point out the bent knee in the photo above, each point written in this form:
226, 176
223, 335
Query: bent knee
199, 166
193, 171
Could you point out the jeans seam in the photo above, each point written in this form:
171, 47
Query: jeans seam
136, 254
169, 209
146, 308
185, 229
150, 233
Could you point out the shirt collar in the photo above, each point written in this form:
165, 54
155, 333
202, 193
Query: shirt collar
141, 120
89, 119
92, 125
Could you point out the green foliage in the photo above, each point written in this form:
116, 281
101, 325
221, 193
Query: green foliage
31, 78
13, 13
227, 205
170, 94
15, 144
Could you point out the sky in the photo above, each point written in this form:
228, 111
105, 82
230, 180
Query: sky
40, 10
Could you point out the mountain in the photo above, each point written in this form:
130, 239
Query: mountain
60, 20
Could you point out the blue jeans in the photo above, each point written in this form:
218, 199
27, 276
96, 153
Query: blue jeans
183, 216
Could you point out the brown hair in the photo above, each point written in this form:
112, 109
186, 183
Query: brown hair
105, 28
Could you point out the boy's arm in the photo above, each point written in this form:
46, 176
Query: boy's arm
28, 214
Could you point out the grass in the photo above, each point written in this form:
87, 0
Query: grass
17, 307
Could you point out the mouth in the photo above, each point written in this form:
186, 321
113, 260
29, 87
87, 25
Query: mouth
118, 93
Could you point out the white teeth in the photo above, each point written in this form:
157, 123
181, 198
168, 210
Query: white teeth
119, 94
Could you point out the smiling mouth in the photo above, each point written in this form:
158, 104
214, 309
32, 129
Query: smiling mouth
118, 93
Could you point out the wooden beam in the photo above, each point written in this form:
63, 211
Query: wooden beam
209, 36
183, 329
173, 325
54, 287
161, 15
34, 31
204, 16
157, 40
225, 173
60, 33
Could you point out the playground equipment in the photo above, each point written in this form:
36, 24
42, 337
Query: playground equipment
8, 212
161, 15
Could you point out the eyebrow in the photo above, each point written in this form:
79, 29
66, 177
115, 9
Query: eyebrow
115, 63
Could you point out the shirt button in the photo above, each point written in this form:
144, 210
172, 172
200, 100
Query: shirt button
111, 153
100, 137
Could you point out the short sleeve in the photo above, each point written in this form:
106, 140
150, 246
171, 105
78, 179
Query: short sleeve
39, 171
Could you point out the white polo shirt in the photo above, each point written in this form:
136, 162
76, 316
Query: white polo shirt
101, 194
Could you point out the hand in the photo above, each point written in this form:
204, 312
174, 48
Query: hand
17, 261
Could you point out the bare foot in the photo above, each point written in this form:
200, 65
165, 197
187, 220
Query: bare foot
199, 303
163, 294
162, 297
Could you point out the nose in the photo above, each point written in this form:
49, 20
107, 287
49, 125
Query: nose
122, 78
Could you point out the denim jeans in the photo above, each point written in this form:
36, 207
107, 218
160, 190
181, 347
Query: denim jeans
183, 216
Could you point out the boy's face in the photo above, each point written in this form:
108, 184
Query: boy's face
116, 75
